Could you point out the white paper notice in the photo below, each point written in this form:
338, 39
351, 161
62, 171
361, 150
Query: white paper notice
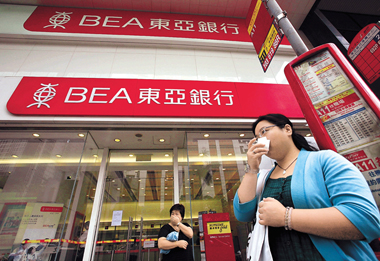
117, 216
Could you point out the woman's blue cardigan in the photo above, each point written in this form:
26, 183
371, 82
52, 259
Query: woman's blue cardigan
323, 179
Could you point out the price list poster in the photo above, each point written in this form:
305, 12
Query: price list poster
350, 122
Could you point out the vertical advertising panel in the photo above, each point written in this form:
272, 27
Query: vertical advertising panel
264, 32
341, 110
219, 245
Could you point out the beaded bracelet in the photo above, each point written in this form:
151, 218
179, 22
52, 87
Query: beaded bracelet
288, 214
289, 219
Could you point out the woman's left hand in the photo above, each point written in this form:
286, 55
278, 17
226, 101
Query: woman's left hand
272, 213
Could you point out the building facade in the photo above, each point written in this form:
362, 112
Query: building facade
111, 126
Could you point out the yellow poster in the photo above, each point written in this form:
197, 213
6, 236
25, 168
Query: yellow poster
222, 227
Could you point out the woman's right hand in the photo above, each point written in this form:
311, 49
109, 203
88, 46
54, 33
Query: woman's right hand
182, 244
254, 154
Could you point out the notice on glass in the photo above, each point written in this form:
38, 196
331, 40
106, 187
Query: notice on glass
367, 160
322, 77
117, 216
148, 244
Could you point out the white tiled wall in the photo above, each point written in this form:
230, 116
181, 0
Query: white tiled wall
112, 60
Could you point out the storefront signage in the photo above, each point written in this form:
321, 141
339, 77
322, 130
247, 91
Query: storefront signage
364, 51
137, 97
119, 22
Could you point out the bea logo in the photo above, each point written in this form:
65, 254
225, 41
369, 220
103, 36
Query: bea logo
59, 20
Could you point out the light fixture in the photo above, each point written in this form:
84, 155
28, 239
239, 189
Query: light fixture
167, 155
166, 194
58, 156
223, 169
36, 134
95, 155
142, 188
217, 178
123, 195
14, 156
117, 140
192, 179
241, 134
206, 135
229, 154
93, 189
161, 140
81, 135
113, 180
212, 186
308, 135
307, 125
166, 187
130, 155
201, 154
118, 188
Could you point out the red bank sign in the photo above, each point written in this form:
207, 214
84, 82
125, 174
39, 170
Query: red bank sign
150, 98
118, 22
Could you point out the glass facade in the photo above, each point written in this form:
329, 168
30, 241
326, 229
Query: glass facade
49, 182
46, 184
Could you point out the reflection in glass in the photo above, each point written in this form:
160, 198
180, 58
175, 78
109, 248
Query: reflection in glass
44, 197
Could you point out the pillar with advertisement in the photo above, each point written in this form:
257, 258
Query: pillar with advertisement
341, 110
219, 245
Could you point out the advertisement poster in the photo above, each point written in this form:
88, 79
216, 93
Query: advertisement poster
367, 160
42, 221
11, 216
270, 46
216, 228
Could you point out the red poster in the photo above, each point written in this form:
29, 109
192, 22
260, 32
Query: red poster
258, 23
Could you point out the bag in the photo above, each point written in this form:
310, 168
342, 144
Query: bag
258, 242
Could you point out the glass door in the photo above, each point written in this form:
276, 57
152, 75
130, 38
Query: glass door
137, 196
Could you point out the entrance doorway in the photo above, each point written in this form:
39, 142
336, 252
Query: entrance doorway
138, 192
